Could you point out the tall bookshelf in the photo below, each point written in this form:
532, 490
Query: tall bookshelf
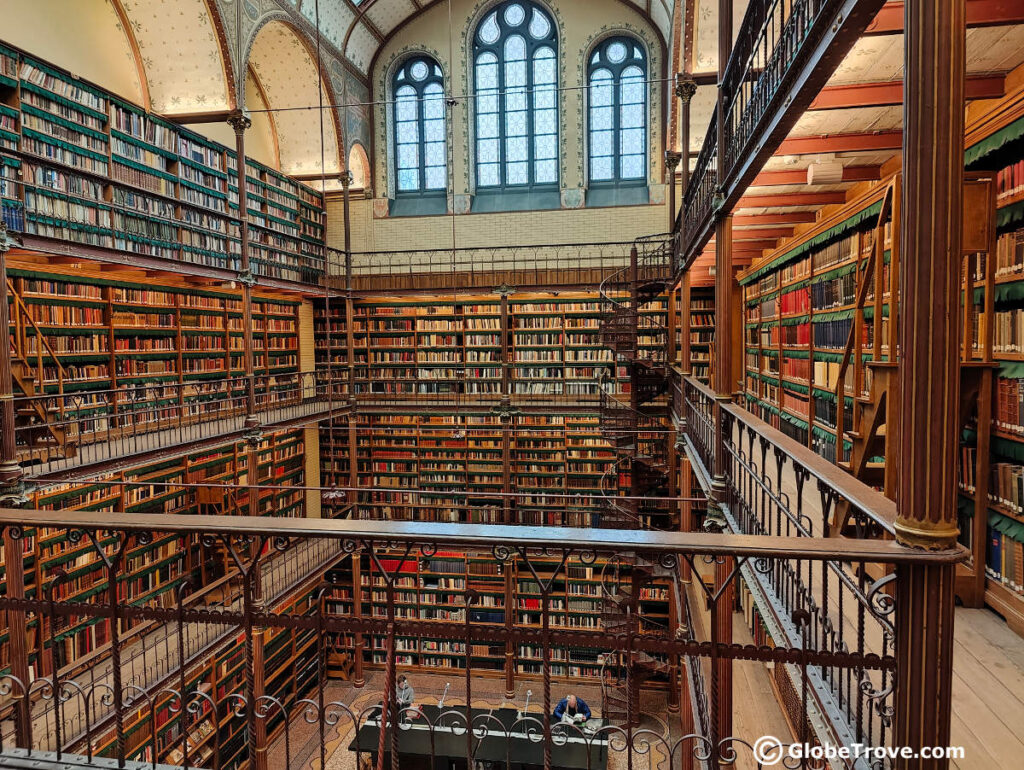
82, 165
145, 346
799, 309
507, 594
155, 570
1002, 551
702, 331
441, 346
447, 466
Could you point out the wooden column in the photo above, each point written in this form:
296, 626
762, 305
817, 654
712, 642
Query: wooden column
723, 386
930, 272
933, 161
10, 470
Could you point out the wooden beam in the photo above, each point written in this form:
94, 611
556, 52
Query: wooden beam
819, 145
850, 174
890, 93
771, 233
217, 116
980, 13
790, 199
754, 245
787, 218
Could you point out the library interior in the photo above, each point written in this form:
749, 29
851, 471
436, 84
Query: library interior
512, 384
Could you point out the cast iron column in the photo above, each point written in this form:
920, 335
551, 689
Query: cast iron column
240, 122
930, 240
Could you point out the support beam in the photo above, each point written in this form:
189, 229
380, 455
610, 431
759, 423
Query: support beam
980, 13
786, 218
890, 93
850, 174
929, 373
819, 145
758, 233
790, 199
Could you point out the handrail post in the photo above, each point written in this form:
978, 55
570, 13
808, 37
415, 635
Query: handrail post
933, 146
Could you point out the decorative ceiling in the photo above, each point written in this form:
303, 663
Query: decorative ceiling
287, 74
359, 28
178, 46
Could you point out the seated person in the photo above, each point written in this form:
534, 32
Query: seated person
572, 709
404, 694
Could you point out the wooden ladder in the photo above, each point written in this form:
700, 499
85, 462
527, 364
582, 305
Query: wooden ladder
45, 431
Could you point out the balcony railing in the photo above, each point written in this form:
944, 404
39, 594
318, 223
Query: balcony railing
584, 264
61, 431
784, 52
775, 487
67, 711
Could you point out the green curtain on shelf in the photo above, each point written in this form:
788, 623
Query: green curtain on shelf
833, 233
990, 145
1010, 527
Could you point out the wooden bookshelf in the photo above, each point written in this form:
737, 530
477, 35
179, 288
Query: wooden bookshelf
506, 593
81, 165
441, 346
158, 488
443, 466
702, 331
798, 314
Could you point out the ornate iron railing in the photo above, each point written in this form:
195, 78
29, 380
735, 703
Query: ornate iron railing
119, 716
60, 431
485, 267
784, 53
773, 486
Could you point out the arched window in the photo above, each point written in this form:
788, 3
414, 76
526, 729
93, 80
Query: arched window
516, 77
420, 156
617, 116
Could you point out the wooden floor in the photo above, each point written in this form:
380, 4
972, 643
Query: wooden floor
988, 692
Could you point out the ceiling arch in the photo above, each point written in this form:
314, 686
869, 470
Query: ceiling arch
289, 81
360, 28
179, 45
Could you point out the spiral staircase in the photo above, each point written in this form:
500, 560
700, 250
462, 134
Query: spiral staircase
639, 344
635, 485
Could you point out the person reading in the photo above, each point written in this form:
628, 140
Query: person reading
572, 709
404, 695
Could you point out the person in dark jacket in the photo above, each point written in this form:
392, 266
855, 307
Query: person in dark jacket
572, 709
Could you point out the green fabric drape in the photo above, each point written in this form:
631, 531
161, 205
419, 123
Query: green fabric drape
144, 145
1012, 370
796, 387
61, 143
977, 154
26, 86
869, 311
1010, 527
1010, 216
833, 233
802, 354
795, 320
143, 168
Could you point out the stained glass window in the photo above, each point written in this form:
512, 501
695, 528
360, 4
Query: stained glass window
421, 160
617, 96
516, 82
